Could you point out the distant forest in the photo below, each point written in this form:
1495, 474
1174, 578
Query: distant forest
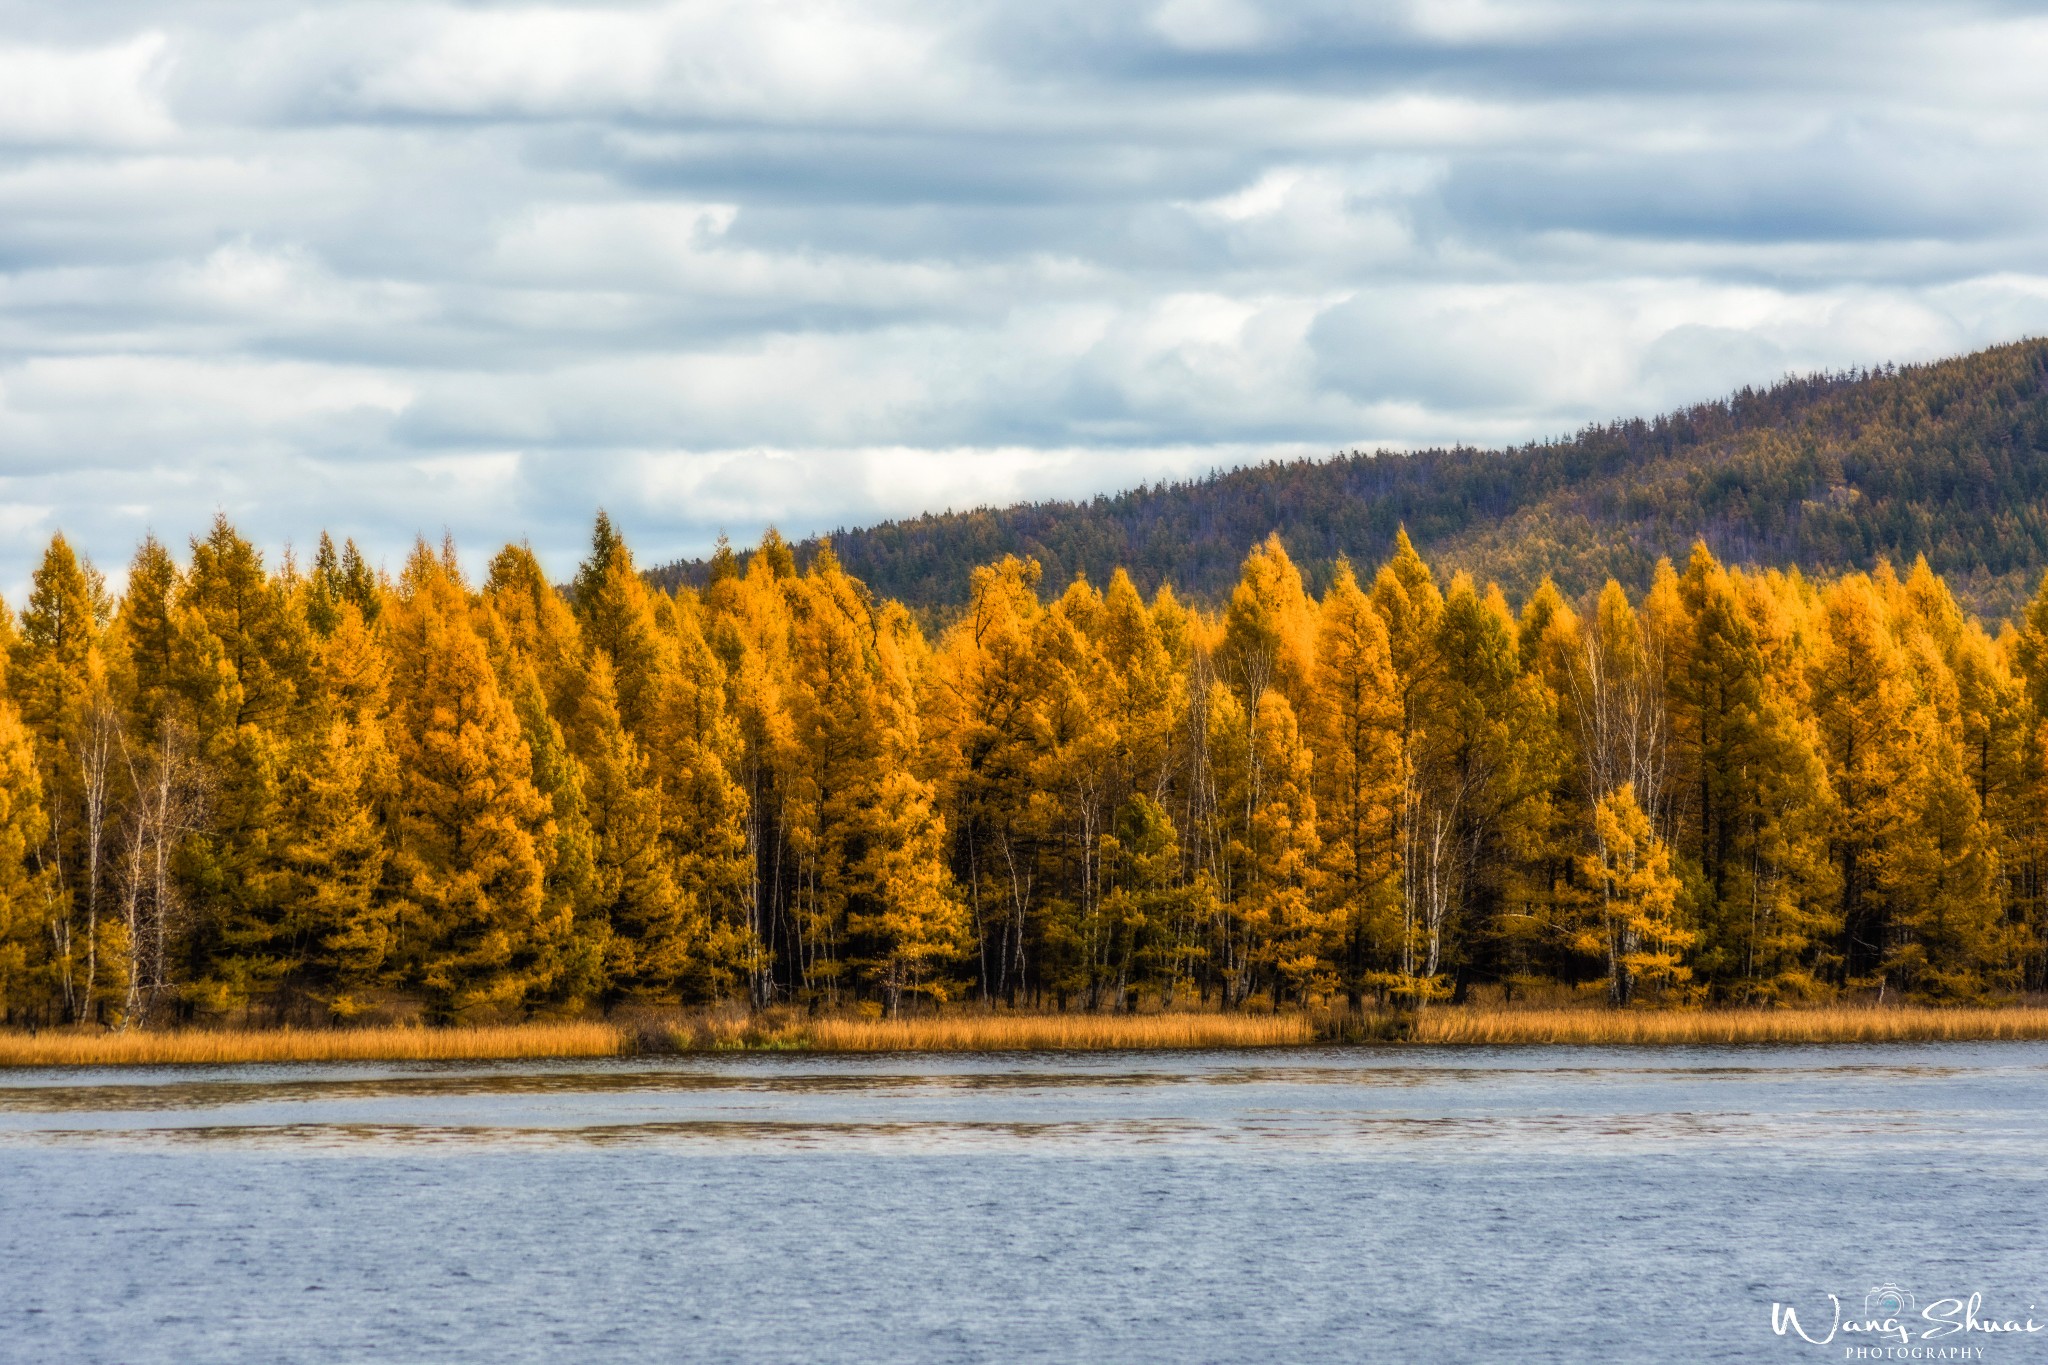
1830, 472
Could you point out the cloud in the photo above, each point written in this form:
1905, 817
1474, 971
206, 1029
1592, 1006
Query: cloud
393, 267
58, 96
1209, 25
1547, 357
779, 61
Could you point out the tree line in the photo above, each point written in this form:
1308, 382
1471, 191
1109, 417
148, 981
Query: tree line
1827, 471
319, 792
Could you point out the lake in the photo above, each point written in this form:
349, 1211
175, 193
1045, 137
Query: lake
1512, 1204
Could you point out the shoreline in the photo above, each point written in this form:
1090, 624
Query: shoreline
791, 1032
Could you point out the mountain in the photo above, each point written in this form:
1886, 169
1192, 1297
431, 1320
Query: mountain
1830, 472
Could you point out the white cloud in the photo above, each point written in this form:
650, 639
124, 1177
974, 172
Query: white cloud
1347, 216
1209, 25
1472, 21
88, 95
640, 247
153, 413
779, 59
743, 491
388, 266
1546, 358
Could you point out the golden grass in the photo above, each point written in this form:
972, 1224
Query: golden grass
211, 1047
1003, 1032
1822, 1024
788, 1030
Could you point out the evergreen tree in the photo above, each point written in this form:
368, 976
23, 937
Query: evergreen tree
25, 897
1354, 729
335, 793
1275, 935
906, 927
649, 924
981, 699
243, 675
469, 823
57, 677
1635, 901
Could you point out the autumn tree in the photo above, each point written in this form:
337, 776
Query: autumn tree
58, 679
671, 703
334, 797
24, 896
981, 699
320, 793
465, 857
1354, 730
1634, 901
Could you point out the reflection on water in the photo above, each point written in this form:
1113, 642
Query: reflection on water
1336, 1098
1334, 1134
1544, 1204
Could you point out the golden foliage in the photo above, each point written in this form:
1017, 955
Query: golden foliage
263, 794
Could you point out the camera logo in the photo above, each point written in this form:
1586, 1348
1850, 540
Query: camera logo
1887, 1301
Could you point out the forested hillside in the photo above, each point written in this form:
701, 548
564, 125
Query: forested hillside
319, 792
1949, 460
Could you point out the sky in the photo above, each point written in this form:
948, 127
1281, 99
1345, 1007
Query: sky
401, 269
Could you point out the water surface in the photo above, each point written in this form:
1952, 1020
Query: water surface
1563, 1204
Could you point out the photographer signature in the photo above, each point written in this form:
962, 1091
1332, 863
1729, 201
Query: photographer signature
1886, 1314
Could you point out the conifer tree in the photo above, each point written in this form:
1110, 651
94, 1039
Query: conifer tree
58, 679
24, 895
837, 727
981, 699
1142, 695
469, 823
615, 609
1635, 900
1269, 629
1276, 936
149, 623
1139, 701
1354, 729
166, 784
1146, 903
1559, 657
905, 925
1750, 781
1915, 865
244, 675
324, 588
747, 626
671, 703
335, 793
650, 924
576, 938
697, 748
1459, 755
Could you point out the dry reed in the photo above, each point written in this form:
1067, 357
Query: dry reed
219, 1047
1004, 1032
1824, 1024
966, 1032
